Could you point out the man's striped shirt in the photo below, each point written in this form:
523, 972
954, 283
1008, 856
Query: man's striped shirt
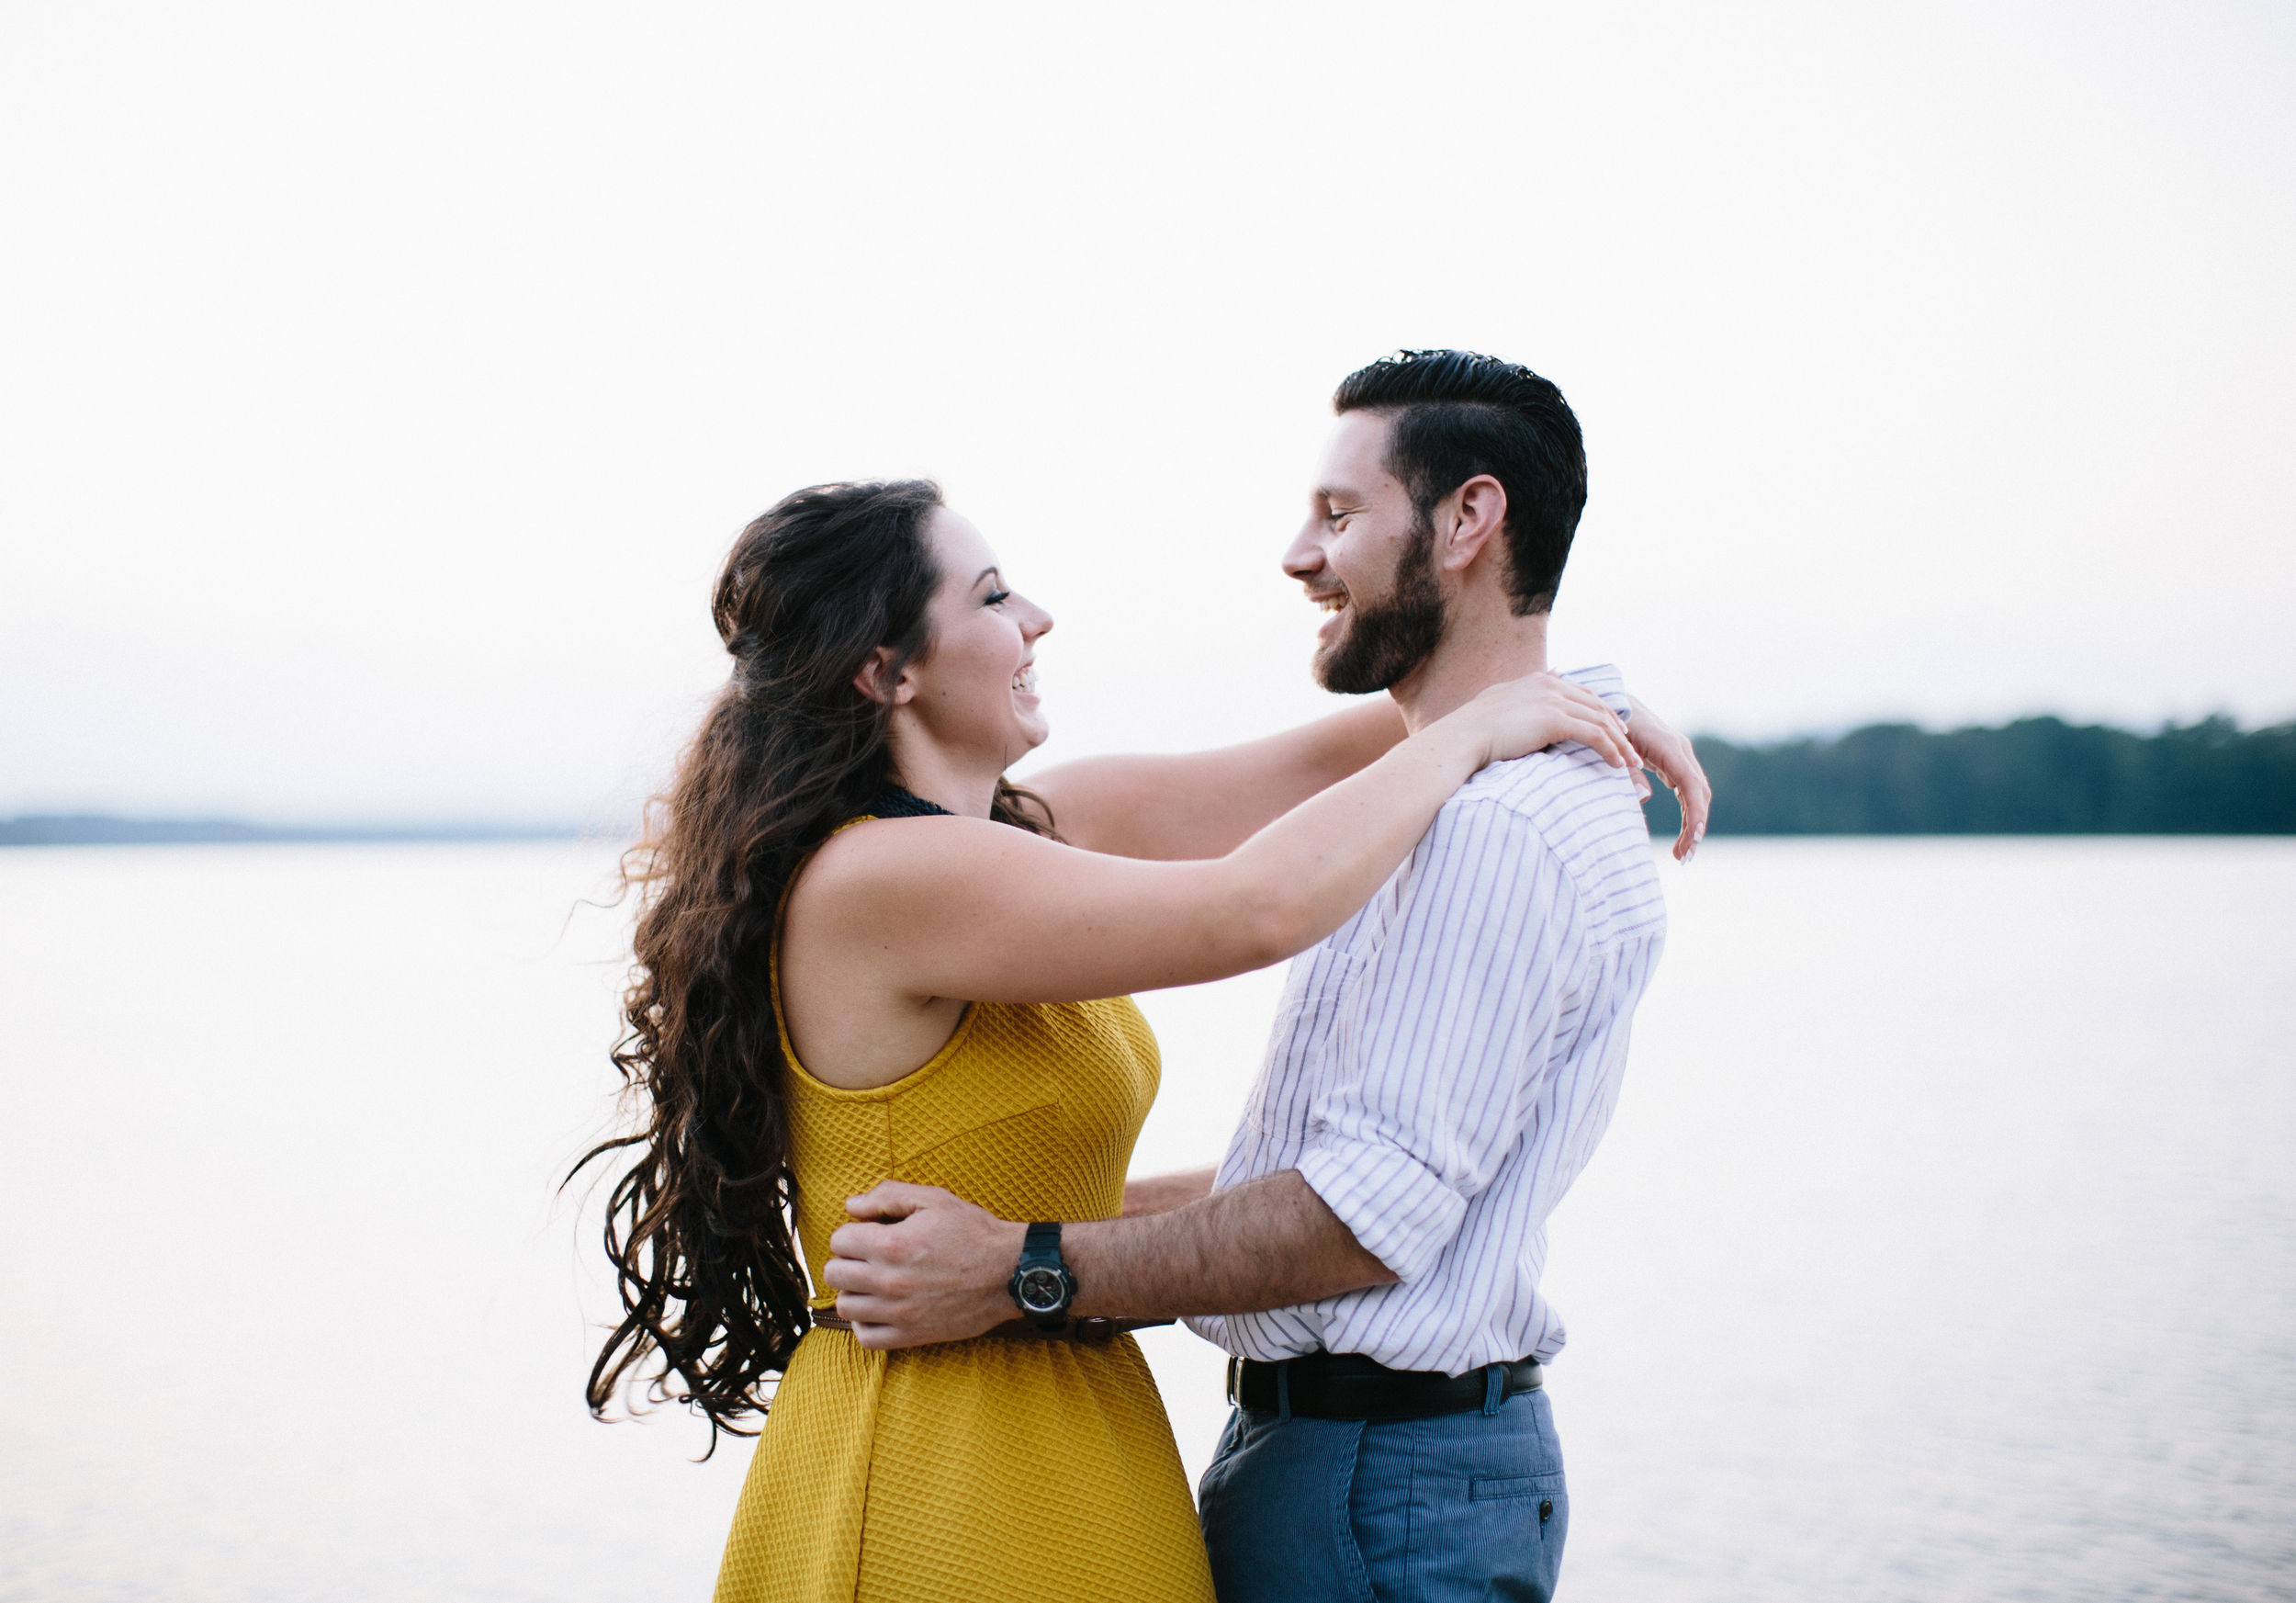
1443, 1065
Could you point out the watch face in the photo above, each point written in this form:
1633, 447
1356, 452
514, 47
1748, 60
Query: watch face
1041, 1290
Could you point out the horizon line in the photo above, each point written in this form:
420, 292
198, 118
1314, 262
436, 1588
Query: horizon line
92, 828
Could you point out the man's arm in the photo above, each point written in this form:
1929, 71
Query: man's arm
1162, 1192
939, 1272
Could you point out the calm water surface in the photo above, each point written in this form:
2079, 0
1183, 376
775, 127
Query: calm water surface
1944, 1245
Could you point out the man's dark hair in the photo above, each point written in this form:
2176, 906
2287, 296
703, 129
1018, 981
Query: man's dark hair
1455, 414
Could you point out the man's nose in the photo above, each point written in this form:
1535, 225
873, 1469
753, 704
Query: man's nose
1304, 557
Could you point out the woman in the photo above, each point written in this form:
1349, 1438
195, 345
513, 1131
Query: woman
863, 955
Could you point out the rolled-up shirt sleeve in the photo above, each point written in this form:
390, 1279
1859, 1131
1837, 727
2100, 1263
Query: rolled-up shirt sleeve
1430, 1084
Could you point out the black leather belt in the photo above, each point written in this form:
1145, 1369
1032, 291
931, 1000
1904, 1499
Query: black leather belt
1348, 1385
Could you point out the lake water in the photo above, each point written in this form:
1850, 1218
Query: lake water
1944, 1245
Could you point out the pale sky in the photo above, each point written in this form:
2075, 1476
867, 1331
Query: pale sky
383, 384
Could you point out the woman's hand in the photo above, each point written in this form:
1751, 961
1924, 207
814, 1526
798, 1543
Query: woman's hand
1539, 710
1669, 754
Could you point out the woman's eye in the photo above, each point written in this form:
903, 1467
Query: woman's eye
996, 595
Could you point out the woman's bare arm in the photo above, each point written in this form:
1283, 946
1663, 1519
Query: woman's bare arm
1670, 756
1205, 804
896, 917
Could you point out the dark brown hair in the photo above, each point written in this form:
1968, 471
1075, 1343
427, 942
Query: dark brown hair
1453, 415
713, 1286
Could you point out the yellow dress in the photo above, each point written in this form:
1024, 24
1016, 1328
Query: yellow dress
990, 1469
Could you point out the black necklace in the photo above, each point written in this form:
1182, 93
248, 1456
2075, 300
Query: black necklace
893, 802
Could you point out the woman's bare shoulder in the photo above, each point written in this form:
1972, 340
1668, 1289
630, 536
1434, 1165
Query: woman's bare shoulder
903, 857
853, 1025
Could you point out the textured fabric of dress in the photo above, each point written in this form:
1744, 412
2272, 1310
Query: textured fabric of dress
978, 1470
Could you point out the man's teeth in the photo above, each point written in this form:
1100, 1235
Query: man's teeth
1331, 603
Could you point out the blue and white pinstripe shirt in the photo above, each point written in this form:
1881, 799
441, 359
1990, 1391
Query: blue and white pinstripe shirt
1442, 1066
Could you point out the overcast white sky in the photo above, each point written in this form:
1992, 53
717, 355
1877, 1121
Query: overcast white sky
382, 384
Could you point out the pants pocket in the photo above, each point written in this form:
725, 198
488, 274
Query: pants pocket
1482, 1488
1526, 1497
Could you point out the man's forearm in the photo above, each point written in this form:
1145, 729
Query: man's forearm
1266, 1244
919, 1265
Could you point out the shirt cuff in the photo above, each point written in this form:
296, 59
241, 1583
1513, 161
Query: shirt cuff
1401, 1213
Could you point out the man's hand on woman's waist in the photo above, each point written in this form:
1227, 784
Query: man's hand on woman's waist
922, 1265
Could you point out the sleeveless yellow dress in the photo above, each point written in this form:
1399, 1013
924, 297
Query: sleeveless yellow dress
990, 1469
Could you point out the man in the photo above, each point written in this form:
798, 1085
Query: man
1439, 1073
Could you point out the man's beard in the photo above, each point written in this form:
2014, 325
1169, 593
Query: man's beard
1383, 643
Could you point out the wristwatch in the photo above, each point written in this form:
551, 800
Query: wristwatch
1042, 1283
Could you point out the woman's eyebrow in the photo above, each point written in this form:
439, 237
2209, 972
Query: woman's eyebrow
984, 573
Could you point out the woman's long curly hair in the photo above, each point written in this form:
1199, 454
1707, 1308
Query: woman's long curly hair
713, 1286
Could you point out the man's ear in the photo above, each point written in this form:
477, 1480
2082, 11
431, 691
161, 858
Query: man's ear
1469, 519
878, 681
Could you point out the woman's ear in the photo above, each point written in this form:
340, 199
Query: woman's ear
878, 682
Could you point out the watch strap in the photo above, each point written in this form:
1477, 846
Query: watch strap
1040, 1250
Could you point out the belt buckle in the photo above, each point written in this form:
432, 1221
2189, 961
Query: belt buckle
1235, 1373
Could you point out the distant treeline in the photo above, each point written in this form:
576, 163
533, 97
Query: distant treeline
2036, 776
